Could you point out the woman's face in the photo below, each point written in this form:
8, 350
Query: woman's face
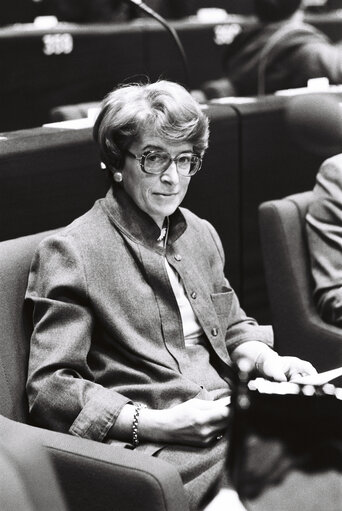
157, 195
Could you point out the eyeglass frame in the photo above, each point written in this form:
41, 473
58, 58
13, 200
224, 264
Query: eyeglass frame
141, 159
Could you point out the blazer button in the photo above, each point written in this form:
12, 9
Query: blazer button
193, 295
178, 257
214, 332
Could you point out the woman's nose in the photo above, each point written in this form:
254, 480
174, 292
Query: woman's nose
171, 173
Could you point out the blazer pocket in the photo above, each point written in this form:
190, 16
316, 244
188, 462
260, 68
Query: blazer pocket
222, 304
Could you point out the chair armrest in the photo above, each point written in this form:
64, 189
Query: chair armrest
96, 477
27, 479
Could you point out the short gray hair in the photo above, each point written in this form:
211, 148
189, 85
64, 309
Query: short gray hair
164, 108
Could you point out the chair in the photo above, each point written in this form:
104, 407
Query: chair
93, 476
27, 479
298, 328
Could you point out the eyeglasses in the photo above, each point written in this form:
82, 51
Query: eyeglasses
156, 162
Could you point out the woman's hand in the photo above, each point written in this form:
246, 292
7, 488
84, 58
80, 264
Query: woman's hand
195, 422
274, 367
260, 358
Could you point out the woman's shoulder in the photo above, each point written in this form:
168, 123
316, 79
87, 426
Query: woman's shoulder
201, 227
85, 230
195, 221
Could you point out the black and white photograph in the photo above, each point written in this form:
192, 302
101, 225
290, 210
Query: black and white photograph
171, 255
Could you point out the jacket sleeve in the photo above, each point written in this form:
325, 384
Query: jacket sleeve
62, 393
324, 233
240, 328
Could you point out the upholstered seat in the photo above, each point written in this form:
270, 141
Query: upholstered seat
92, 476
298, 328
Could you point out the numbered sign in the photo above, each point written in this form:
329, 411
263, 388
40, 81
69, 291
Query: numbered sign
57, 44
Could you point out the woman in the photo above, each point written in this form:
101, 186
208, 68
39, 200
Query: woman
131, 306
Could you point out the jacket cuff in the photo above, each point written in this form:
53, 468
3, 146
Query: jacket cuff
262, 333
98, 415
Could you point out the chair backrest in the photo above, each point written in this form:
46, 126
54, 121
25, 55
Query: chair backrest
298, 328
15, 261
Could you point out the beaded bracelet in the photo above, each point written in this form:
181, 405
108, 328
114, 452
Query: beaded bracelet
135, 439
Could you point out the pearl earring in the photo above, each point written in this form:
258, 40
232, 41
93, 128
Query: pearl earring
117, 176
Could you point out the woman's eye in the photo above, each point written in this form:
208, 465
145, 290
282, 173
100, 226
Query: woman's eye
184, 159
157, 157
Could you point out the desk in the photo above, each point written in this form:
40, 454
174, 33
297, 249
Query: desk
48, 177
74, 64
69, 64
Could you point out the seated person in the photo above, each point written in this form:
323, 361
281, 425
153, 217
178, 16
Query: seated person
137, 332
324, 231
280, 52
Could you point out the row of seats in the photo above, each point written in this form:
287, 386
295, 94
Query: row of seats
41, 69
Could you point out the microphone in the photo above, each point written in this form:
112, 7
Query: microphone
314, 121
150, 12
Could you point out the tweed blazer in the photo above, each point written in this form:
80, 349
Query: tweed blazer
324, 231
107, 328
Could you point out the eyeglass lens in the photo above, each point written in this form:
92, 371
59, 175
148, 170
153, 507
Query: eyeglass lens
158, 161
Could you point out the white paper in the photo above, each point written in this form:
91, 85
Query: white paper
319, 378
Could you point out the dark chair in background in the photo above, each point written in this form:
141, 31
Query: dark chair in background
298, 328
92, 476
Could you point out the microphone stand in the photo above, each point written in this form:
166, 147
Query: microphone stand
150, 12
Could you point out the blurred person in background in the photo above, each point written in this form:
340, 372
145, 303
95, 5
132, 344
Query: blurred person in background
280, 52
324, 232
